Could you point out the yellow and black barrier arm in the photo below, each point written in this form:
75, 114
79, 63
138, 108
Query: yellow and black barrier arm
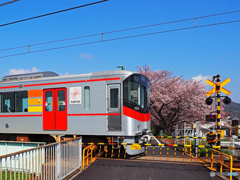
161, 145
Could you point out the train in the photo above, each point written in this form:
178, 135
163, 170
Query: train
107, 106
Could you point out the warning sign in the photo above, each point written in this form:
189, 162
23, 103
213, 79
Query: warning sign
75, 95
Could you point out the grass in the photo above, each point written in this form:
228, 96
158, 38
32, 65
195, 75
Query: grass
203, 151
12, 174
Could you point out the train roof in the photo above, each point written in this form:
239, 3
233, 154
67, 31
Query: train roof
49, 75
35, 75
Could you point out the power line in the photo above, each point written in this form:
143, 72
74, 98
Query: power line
125, 37
122, 30
9, 2
56, 12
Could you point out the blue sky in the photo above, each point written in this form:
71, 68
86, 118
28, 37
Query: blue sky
199, 52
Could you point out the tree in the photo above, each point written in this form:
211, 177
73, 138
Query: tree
173, 99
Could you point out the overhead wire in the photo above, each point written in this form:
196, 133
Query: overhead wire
9, 2
56, 12
125, 37
122, 30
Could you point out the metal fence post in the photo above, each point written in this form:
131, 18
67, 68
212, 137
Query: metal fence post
176, 130
197, 140
58, 161
233, 143
184, 130
80, 153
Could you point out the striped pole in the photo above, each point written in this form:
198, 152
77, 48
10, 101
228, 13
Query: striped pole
153, 151
218, 110
167, 152
207, 155
160, 152
146, 153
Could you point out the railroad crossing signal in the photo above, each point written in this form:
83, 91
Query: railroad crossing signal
215, 87
211, 118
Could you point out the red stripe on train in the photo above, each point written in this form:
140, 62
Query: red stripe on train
32, 115
107, 79
9, 87
136, 115
65, 82
96, 114
93, 114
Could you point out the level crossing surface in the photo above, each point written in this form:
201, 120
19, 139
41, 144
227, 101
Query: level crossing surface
129, 169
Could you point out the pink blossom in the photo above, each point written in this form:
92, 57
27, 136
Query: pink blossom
173, 99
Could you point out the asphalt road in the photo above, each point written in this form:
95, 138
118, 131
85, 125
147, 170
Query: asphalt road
129, 169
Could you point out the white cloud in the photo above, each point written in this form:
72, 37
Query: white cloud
64, 74
202, 78
86, 56
22, 71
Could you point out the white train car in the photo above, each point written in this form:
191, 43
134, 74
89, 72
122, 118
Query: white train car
99, 105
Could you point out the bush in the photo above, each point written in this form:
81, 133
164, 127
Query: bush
226, 152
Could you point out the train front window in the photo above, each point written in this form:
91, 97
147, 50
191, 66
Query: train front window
136, 92
132, 92
148, 94
143, 94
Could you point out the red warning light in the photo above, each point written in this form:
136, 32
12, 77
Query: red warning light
211, 118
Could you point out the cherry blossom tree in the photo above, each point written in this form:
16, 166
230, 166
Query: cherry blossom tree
173, 99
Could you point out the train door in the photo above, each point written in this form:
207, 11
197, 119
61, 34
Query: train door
114, 110
55, 109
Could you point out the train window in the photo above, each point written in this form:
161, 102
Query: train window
21, 101
136, 93
61, 100
86, 98
8, 102
143, 98
48, 101
132, 92
114, 98
148, 96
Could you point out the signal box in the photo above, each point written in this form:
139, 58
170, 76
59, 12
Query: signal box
211, 118
237, 130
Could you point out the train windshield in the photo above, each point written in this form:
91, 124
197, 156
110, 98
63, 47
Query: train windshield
136, 93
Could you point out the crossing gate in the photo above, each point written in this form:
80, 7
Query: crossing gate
183, 149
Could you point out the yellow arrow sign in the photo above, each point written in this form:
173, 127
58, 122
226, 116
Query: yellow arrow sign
214, 85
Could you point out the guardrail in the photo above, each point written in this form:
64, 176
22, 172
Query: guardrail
53, 161
221, 162
188, 145
87, 155
177, 145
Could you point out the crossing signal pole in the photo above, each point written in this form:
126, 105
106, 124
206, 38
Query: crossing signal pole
218, 88
218, 110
